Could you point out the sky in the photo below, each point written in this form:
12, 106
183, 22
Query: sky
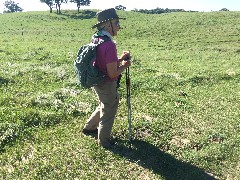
195, 5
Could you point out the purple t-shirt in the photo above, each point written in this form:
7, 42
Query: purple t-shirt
106, 53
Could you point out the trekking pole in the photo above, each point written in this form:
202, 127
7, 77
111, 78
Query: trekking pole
129, 107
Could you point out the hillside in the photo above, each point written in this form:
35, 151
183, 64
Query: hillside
185, 95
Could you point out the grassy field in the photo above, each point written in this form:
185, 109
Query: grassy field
185, 97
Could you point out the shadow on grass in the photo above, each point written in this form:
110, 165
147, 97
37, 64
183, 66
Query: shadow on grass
4, 81
161, 163
86, 14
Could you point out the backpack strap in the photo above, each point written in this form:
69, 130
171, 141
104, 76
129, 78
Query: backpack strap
100, 39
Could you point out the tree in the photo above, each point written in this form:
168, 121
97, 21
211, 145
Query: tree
120, 7
224, 9
11, 7
49, 3
58, 4
81, 3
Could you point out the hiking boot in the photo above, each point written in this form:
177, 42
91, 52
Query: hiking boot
108, 145
89, 132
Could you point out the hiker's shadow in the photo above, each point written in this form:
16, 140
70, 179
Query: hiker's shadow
161, 163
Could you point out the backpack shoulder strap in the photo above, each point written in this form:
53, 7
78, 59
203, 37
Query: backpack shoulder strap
100, 39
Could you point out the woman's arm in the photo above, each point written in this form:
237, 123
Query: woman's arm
114, 71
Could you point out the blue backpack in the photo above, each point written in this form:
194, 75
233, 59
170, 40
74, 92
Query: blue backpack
89, 75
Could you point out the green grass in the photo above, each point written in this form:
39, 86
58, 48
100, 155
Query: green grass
185, 93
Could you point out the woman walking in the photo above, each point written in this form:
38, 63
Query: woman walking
102, 119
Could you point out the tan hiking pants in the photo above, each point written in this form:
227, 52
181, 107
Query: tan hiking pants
104, 114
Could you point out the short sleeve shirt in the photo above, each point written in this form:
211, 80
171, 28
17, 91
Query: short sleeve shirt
106, 53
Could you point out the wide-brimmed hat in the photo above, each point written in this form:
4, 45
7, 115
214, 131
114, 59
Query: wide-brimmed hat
106, 15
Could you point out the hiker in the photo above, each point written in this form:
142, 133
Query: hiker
102, 119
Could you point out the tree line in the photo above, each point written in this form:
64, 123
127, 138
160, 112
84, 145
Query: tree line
57, 3
11, 6
160, 10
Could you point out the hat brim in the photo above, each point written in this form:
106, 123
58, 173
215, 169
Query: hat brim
95, 25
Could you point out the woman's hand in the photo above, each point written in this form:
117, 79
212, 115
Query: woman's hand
125, 56
126, 63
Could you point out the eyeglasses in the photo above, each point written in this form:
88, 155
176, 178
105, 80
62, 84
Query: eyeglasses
118, 24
